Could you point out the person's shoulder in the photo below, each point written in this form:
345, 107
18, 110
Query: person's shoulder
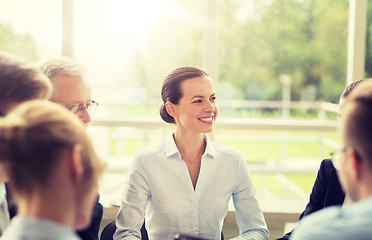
227, 155
327, 163
326, 167
318, 225
151, 151
226, 151
351, 222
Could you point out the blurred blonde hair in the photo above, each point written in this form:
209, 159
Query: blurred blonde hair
32, 137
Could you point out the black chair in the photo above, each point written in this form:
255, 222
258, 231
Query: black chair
109, 230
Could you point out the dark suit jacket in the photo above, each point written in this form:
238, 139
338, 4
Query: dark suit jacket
91, 233
326, 191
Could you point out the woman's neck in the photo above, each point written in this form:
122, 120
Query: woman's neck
190, 146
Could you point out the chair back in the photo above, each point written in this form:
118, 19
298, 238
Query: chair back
109, 230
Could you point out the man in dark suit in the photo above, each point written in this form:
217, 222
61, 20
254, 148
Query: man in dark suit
327, 190
72, 90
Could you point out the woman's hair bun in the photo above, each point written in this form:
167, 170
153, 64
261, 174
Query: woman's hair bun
165, 115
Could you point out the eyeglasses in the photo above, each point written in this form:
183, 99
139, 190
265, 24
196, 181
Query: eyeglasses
336, 157
91, 107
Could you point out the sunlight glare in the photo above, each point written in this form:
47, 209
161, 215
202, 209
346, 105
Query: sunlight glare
138, 16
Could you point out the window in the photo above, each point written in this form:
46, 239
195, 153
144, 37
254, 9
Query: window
29, 30
128, 47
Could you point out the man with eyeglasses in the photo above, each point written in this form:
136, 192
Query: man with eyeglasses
72, 90
354, 220
70, 87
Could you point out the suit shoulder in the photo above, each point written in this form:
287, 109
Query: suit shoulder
326, 167
317, 224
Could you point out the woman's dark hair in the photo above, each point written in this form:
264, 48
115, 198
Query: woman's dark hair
171, 89
21, 81
350, 87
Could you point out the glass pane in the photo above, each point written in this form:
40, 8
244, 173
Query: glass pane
31, 29
263, 49
266, 49
262, 41
128, 49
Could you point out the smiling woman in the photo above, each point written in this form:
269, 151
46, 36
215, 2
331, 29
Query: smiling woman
196, 110
176, 182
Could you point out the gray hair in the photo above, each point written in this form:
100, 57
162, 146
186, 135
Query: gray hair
62, 66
